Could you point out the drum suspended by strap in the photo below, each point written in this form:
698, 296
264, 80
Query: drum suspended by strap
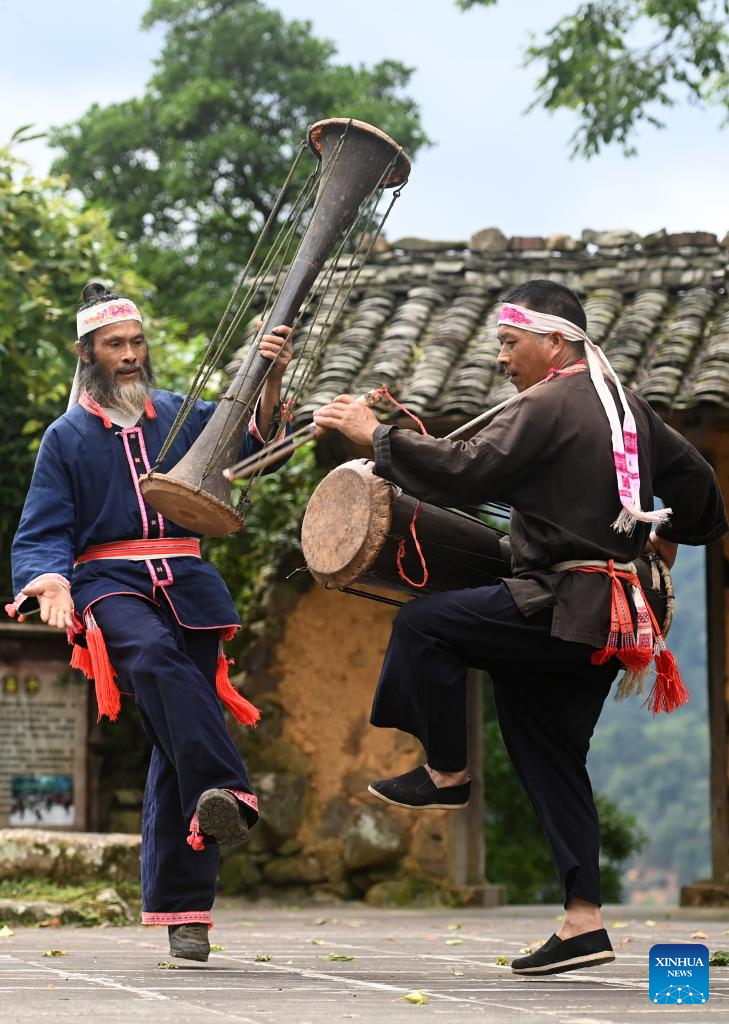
355, 523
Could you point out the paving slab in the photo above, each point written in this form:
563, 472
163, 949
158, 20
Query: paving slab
114, 974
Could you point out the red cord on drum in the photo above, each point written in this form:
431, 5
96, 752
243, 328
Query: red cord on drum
383, 390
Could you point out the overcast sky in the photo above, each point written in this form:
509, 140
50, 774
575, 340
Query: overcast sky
492, 165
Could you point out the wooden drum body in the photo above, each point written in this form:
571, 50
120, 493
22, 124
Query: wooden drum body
354, 523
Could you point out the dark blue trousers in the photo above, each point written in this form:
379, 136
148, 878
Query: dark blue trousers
548, 698
170, 672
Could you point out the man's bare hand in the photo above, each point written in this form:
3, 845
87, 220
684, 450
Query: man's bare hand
56, 606
665, 549
351, 417
278, 347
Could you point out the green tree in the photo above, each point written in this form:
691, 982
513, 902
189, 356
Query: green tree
191, 170
616, 63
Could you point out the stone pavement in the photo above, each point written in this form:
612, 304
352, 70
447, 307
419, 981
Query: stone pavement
110, 974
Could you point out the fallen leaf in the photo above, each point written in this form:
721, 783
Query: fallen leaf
454, 942
316, 942
337, 956
727, 932
50, 986
55, 952
263, 958
559, 917
649, 924
247, 924
699, 935
165, 965
456, 973
454, 927
501, 961
320, 920
214, 948
719, 959
417, 997
5, 932
618, 924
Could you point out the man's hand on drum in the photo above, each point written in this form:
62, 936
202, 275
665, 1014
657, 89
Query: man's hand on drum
350, 417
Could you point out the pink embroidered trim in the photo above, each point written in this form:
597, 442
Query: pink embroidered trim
245, 798
130, 459
510, 314
147, 466
181, 917
110, 311
184, 625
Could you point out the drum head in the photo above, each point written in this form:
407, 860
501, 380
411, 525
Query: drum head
189, 506
346, 524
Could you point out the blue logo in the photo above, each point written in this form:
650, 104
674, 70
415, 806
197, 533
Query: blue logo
679, 973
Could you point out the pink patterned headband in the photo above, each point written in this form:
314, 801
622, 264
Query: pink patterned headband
103, 313
625, 437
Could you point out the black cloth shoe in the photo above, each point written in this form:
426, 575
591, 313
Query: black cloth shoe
189, 941
557, 955
417, 789
218, 814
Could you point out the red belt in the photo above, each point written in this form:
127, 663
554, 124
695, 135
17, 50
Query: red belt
162, 547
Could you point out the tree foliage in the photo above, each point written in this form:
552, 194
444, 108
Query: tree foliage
617, 63
191, 169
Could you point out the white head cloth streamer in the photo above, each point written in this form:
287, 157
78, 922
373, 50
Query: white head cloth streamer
625, 438
103, 313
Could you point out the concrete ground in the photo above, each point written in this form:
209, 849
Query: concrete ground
276, 967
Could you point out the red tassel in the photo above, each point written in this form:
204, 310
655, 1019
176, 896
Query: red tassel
195, 839
241, 709
149, 410
668, 691
81, 659
108, 698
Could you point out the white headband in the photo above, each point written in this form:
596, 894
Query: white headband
625, 437
103, 313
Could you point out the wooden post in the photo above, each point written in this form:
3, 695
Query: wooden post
466, 839
716, 616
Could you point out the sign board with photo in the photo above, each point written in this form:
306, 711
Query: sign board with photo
43, 732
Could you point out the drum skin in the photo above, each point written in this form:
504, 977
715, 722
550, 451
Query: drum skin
354, 523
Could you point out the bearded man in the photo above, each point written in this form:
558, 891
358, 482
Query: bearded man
145, 612
578, 460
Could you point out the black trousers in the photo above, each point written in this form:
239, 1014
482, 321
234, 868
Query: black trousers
548, 699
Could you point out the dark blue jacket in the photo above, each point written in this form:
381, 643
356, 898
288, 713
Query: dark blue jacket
84, 492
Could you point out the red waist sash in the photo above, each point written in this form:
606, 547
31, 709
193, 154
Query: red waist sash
162, 547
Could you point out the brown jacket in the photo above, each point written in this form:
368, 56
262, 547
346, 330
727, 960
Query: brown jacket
549, 456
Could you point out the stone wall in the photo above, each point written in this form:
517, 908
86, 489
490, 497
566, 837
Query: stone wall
312, 758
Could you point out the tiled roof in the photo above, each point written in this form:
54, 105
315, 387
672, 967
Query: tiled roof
422, 318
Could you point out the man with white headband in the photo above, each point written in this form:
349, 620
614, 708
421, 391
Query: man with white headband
145, 613
578, 459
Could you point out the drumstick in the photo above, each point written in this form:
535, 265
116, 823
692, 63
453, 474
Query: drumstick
285, 446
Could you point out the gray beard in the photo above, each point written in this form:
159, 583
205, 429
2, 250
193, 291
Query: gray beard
110, 392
